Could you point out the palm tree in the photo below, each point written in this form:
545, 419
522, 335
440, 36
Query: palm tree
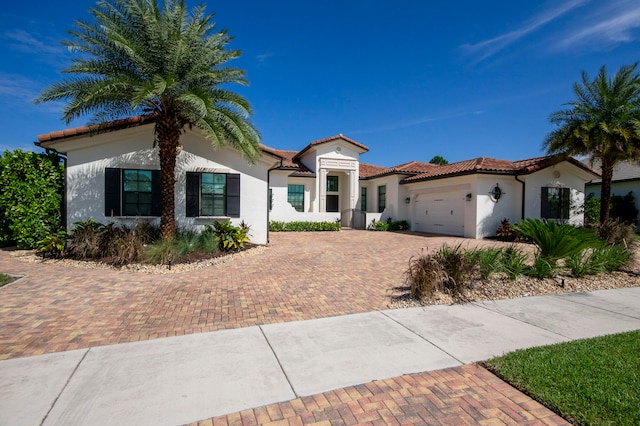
603, 122
141, 57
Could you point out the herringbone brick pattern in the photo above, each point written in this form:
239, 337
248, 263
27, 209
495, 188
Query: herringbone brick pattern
299, 276
467, 395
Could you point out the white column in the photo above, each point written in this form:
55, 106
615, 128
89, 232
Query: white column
323, 191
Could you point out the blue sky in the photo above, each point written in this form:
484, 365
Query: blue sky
410, 79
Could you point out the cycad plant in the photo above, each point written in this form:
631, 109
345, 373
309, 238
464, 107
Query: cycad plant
556, 241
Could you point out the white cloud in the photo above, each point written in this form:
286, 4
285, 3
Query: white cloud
264, 56
610, 23
416, 122
38, 47
485, 49
19, 92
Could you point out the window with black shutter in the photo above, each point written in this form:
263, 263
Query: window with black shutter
132, 192
555, 203
213, 194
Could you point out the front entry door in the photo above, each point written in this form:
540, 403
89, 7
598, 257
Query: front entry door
332, 203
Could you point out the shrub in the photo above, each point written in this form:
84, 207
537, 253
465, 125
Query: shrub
31, 187
541, 268
380, 225
424, 276
230, 237
614, 231
276, 226
389, 225
614, 257
556, 241
458, 265
624, 208
84, 242
591, 210
163, 252
602, 259
399, 225
52, 245
506, 231
489, 261
513, 261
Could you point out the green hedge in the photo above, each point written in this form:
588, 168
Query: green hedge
390, 225
275, 226
31, 187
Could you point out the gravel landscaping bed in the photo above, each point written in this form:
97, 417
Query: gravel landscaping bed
502, 287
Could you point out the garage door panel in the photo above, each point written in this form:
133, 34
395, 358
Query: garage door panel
440, 214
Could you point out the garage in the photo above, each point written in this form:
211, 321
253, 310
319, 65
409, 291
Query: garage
441, 213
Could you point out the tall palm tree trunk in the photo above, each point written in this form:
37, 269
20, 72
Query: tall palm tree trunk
168, 133
605, 193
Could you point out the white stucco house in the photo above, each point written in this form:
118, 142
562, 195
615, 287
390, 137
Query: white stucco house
112, 175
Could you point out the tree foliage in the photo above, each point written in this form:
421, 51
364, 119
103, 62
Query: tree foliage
603, 121
31, 187
154, 57
438, 159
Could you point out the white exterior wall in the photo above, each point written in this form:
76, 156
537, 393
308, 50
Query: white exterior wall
490, 213
563, 175
282, 211
87, 158
394, 208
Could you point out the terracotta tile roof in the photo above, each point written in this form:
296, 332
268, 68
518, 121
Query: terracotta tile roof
329, 139
492, 165
369, 170
48, 138
410, 168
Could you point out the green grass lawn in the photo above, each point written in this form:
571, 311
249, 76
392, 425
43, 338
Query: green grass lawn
4, 279
592, 381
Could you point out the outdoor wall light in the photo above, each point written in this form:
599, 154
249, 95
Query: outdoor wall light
407, 200
468, 197
496, 193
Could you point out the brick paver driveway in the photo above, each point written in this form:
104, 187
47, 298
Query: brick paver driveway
299, 276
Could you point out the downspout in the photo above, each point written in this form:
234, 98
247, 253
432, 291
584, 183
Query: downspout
523, 198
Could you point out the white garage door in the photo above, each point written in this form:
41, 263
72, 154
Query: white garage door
440, 213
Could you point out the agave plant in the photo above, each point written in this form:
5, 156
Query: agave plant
556, 241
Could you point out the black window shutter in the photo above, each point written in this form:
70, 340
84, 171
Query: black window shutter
544, 204
566, 204
112, 187
193, 194
156, 193
233, 195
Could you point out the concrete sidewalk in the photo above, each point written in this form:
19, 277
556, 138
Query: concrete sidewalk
184, 379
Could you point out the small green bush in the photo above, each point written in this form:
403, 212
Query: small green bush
230, 237
164, 252
541, 268
52, 245
489, 261
513, 262
275, 226
389, 225
586, 262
